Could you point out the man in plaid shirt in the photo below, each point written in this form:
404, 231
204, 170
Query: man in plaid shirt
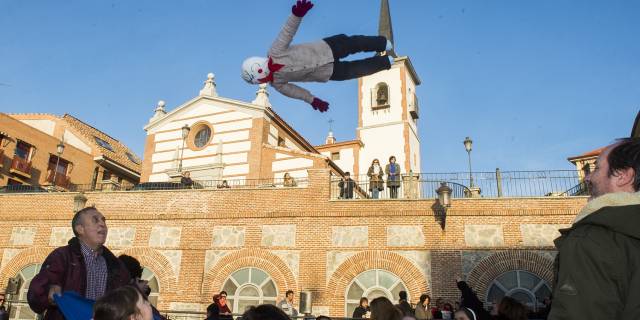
84, 266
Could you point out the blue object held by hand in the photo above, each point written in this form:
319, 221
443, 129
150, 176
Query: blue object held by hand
74, 306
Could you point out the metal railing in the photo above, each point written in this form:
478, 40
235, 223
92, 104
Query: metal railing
514, 183
581, 189
491, 184
61, 179
150, 186
21, 166
411, 186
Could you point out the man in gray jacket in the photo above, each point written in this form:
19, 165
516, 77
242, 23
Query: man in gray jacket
314, 62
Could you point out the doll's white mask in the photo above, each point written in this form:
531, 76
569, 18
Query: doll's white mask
254, 69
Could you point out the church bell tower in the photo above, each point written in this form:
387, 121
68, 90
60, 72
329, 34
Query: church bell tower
388, 109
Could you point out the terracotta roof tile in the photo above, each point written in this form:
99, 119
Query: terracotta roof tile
118, 151
592, 153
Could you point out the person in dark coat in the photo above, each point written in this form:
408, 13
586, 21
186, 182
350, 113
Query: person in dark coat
392, 169
185, 180
470, 300
596, 269
376, 178
213, 310
346, 186
84, 266
404, 306
225, 309
362, 310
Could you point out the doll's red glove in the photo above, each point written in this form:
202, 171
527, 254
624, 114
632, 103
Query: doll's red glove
301, 8
320, 105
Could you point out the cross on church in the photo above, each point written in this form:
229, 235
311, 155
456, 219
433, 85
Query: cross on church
330, 121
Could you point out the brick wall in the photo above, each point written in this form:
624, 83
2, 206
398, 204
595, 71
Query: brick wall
190, 266
80, 171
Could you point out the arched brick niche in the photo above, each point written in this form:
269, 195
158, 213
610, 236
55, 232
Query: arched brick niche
488, 269
157, 263
22, 259
389, 261
268, 262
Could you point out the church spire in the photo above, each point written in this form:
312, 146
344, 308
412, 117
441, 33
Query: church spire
384, 25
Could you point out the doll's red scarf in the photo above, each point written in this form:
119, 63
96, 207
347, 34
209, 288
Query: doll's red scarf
273, 67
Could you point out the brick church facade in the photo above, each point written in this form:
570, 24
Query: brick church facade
197, 242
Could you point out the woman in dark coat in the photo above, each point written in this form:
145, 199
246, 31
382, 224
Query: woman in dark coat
376, 179
362, 310
392, 169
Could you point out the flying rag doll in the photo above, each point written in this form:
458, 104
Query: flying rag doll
314, 62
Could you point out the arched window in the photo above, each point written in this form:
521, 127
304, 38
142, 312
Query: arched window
521, 285
381, 95
249, 287
372, 284
154, 285
22, 310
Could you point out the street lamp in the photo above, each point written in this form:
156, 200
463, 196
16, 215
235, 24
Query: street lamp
444, 195
59, 151
185, 134
444, 202
467, 146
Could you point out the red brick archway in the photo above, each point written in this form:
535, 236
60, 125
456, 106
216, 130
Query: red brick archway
491, 267
22, 259
262, 259
157, 263
412, 277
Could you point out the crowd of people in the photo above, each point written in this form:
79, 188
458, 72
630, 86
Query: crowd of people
468, 308
596, 269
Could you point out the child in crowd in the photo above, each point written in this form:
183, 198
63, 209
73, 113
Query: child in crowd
124, 303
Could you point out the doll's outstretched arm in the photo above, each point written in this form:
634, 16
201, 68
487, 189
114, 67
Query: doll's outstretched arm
290, 28
296, 92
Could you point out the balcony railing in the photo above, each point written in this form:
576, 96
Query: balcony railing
61, 180
232, 184
490, 184
21, 167
412, 186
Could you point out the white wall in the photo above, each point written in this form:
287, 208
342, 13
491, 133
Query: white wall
382, 131
46, 126
370, 117
73, 140
230, 142
381, 143
347, 160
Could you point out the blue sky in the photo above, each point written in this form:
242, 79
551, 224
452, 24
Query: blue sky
531, 82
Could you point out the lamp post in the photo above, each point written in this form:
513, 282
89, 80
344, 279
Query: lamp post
59, 151
185, 133
444, 202
467, 146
